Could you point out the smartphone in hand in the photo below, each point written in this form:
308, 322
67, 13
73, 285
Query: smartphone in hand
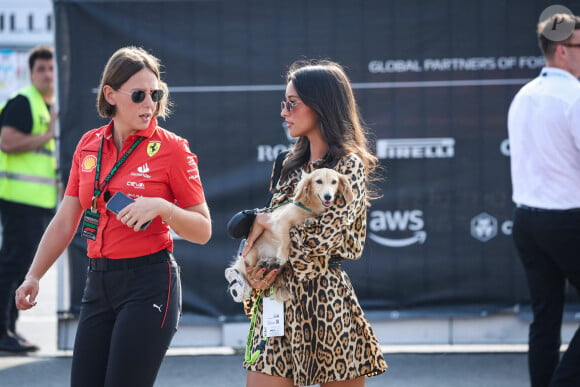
119, 201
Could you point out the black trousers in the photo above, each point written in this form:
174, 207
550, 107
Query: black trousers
128, 316
548, 243
22, 229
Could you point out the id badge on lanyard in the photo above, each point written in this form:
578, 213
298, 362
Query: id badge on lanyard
273, 317
90, 225
91, 215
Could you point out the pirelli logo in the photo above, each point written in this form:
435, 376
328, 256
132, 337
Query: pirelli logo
416, 148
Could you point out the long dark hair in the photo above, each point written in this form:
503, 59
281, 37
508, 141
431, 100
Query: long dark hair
324, 87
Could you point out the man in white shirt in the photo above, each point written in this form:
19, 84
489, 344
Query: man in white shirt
544, 134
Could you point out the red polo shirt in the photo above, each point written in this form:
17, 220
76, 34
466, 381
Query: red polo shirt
160, 166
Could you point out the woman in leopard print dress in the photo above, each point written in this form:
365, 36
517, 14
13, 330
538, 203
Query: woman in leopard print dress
327, 339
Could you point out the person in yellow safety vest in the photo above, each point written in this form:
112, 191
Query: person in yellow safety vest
28, 185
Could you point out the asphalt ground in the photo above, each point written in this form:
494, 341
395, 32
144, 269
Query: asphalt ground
440, 369
409, 366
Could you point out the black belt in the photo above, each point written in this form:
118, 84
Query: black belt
335, 261
528, 208
109, 264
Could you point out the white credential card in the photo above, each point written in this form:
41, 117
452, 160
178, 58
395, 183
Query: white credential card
273, 317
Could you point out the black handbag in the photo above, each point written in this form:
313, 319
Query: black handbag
240, 224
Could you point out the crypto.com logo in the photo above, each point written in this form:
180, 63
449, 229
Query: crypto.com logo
483, 227
560, 29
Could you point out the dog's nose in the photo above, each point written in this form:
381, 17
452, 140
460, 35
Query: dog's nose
327, 197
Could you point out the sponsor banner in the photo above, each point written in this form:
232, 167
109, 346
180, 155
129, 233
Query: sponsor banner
455, 64
484, 227
433, 88
410, 223
26, 23
415, 148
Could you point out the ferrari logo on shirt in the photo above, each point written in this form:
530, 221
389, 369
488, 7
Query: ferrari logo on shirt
153, 147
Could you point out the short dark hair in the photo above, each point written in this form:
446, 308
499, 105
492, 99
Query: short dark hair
39, 52
547, 45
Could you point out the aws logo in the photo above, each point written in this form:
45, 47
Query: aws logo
405, 228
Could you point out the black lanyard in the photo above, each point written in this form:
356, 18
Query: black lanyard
98, 189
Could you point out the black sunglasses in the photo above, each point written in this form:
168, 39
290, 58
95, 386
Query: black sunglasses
289, 105
138, 96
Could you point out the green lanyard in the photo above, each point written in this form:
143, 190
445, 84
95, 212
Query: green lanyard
98, 189
250, 356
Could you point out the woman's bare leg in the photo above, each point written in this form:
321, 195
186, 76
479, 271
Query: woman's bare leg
258, 379
358, 382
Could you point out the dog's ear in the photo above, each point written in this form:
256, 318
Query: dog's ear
303, 188
344, 187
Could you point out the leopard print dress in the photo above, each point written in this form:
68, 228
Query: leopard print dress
326, 334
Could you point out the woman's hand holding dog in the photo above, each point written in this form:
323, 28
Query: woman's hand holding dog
259, 279
261, 223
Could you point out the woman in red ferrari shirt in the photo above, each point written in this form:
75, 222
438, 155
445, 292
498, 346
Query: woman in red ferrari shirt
132, 299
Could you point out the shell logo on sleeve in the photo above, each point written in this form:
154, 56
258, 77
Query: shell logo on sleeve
89, 163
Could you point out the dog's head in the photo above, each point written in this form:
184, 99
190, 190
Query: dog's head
318, 190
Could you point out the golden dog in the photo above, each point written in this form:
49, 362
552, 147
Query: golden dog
314, 194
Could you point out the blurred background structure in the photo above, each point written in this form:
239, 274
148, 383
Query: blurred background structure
434, 80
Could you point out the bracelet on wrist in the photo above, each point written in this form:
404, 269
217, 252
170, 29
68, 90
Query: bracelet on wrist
170, 214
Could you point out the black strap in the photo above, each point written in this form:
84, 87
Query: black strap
276, 172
